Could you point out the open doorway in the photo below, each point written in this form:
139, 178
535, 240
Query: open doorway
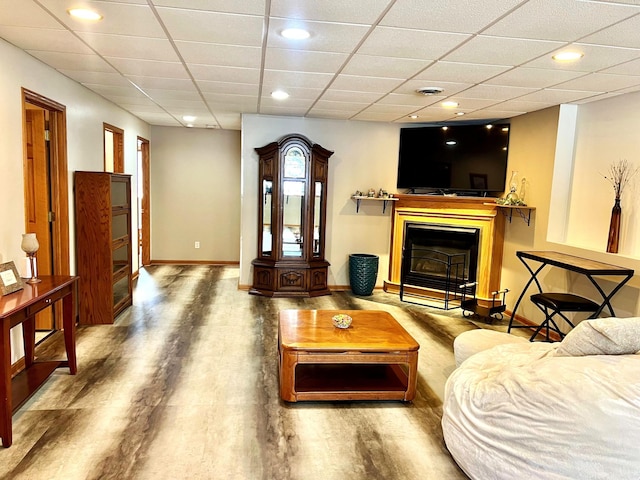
144, 212
46, 192
113, 149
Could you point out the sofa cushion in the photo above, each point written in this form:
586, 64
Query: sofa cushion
602, 336
473, 341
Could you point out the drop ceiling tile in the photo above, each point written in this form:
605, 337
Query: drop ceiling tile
303, 60
288, 112
447, 15
597, 81
522, 106
365, 84
212, 27
437, 114
465, 104
162, 83
495, 92
596, 57
294, 92
224, 74
396, 110
148, 68
109, 91
450, 88
229, 121
296, 79
362, 11
624, 34
627, 68
217, 54
160, 119
376, 117
250, 7
334, 114
228, 88
138, 109
131, 102
293, 103
43, 39
97, 78
162, 96
26, 14
118, 18
461, 72
177, 103
556, 96
72, 61
604, 96
533, 77
124, 46
242, 103
203, 117
627, 90
353, 107
492, 115
335, 95
375, 66
501, 51
405, 43
325, 37
563, 20
414, 100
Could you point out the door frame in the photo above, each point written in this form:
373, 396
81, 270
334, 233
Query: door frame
58, 177
118, 147
145, 204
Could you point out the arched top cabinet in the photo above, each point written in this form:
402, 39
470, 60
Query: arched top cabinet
292, 213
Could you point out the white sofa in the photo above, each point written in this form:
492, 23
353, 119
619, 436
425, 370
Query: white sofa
569, 410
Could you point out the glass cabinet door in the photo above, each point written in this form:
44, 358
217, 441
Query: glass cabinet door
317, 218
293, 218
267, 215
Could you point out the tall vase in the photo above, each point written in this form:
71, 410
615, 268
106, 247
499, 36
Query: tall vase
614, 228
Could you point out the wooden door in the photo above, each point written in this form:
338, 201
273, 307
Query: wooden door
38, 197
144, 203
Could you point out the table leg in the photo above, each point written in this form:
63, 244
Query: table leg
534, 278
69, 326
288, 362
5, 386
606, 298
412, 377
29, 340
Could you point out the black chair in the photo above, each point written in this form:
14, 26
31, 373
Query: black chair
552, 304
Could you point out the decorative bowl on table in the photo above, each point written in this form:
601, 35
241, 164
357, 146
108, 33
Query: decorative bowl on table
342, 320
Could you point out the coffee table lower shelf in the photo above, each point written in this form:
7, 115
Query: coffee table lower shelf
347, 381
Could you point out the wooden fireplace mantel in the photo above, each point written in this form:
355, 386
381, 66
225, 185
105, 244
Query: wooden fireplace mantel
470, 212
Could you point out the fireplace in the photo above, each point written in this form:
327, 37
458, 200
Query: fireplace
454, 228
436, 255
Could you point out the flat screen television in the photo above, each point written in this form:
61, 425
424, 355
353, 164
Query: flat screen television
454, 159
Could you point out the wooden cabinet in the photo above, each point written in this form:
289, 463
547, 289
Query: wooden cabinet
292, 211
103, 245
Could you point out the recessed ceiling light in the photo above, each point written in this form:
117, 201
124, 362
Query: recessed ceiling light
449, 104
429, 90
445, 128
189, 125
459, 113
489, 127
279, 95
295, 33
505, 129
84, 14
413, 116
450, 142
189, 118
568, 56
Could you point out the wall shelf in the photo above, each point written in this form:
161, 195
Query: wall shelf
384, 201
522, 210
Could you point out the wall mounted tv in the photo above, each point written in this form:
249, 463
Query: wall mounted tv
454, 159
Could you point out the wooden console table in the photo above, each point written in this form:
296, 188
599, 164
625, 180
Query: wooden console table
20, 308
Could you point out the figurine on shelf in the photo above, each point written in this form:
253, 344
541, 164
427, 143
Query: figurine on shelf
358, 193
371, 193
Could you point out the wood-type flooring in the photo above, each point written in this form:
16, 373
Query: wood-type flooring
184, 385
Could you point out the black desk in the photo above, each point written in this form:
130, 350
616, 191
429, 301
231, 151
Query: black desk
583, 266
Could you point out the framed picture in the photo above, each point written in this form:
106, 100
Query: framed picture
478, 181
10, 280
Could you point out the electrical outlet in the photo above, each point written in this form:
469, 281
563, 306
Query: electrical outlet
197, 245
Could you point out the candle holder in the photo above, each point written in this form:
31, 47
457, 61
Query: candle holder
30, 246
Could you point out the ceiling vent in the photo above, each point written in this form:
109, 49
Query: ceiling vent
429, 90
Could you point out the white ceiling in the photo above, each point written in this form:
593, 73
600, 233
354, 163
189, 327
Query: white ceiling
216, 59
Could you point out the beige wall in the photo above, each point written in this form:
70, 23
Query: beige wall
195, 194
86, 113
365, 157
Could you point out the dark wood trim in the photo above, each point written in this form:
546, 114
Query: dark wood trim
145, 204
195, 262
118, 147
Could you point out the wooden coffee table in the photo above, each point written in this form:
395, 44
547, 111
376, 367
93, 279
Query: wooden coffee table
374, 359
